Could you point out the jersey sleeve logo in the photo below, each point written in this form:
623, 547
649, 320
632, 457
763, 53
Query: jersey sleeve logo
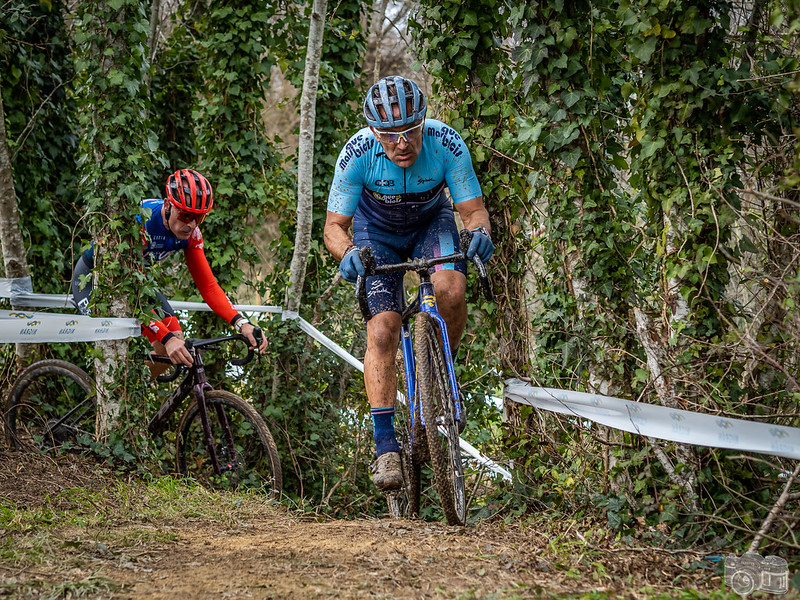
355, 148
449, 139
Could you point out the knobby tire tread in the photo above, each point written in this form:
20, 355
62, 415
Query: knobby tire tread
425, 344
214, 397
39, 370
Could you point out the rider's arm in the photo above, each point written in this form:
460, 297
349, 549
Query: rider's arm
213, 294
474, 214
336, 234
345, 192
207, 284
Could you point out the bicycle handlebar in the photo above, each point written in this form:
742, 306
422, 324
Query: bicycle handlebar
420, 266
195, 344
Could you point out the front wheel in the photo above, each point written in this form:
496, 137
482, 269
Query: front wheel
404, 503
52, 404
438, 411
245, 449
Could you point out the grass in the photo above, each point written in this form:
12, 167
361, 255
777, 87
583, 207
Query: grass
66, 533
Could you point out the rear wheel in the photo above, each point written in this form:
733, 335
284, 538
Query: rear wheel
436, 397
248, 459
51, 405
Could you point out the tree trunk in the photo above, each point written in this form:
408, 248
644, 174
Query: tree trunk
305, 157
15, 259
376, 27
113, 102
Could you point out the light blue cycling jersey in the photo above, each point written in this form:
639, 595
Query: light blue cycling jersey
371, 188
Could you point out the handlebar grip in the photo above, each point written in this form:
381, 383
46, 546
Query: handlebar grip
465, 238
173, 376
483, 277
240, 362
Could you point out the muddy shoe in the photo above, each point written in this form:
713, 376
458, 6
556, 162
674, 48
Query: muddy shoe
386, 473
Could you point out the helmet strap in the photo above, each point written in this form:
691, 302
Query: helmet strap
167, 214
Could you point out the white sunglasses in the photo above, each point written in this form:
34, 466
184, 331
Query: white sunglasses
393, 137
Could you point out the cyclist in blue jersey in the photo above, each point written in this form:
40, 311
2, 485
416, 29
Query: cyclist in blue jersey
390, 187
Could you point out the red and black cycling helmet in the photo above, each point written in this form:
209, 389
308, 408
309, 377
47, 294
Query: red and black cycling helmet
189, 191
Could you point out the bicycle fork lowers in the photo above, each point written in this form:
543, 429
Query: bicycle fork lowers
196, 383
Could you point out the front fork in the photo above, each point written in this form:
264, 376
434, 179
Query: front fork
199, 389
428, 305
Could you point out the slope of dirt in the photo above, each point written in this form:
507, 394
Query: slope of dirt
267, 552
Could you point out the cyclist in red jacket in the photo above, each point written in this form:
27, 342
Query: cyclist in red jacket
174, 225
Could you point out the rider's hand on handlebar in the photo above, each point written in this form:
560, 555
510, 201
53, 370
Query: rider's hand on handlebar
351, 266
481, 245
247, 331
177, 352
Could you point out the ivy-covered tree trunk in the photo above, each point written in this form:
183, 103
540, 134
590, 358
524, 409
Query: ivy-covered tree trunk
305, 157
112, 41
15, 260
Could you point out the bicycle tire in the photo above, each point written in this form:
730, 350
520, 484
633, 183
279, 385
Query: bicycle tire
437, 408
405, 502
257, 463
52, 404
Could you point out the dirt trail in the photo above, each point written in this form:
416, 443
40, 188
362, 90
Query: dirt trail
272, 553
287, 558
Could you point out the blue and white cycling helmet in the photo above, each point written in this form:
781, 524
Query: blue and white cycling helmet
391, 91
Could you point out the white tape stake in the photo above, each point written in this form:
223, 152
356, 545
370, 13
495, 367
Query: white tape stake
33, 327
657, 421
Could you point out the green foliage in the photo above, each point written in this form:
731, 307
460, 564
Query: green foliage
633, 124
36, 73
613, 142
116, 146
318, 406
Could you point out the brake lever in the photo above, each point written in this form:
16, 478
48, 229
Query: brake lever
368, 261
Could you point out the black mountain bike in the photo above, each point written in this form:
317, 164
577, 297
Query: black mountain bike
221, 440
428, 425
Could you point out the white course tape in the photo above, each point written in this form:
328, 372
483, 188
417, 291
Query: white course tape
653, 420
202, 306
289, 315
31, 300
33, 327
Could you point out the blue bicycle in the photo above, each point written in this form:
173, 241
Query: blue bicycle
429, 423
